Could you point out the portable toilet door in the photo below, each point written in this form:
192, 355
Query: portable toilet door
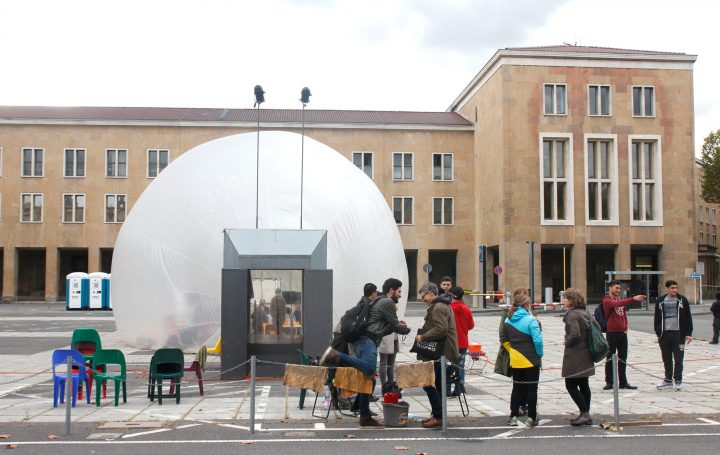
106, 304
76, 291
96, 290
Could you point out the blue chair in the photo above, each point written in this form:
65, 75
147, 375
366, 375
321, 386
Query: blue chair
60, 358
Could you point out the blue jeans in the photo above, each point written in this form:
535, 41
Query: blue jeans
366, 363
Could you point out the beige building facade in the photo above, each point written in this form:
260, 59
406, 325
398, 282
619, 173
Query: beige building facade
708, 215
585, 152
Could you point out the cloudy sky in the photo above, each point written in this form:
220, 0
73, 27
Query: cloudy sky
370, 54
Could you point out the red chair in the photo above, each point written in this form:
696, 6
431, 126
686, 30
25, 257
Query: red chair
198, 366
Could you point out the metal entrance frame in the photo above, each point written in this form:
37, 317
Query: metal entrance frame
645, 274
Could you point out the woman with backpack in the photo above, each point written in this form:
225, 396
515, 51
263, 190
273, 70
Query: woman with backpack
577, 366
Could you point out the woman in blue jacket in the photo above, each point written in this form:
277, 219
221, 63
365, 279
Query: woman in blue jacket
522, 338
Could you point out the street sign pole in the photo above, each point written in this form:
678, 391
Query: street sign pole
482, 254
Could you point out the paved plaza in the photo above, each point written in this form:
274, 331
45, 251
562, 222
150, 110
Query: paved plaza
31, 331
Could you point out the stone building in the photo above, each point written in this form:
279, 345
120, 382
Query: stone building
584, 151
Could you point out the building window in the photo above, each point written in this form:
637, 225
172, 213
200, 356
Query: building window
555, 99
714, 241
700, 213
442, 166
556, 193
442, 210
402, 166
643, 101
32, 162
1, 161
115, 208
714, 217
601, 177
116, 163
403, 210
707, 215
599, 99
73, 208
74, 162
702, 238
157, 161
31, 207
645, 189
364, 162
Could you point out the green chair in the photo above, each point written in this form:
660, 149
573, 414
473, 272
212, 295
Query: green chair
167, 363
304, 360
87, 341
104, 359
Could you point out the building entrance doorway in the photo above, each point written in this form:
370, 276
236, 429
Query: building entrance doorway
443, 264
31, 273
555, 269
412, 286
599, 260
70, 260
106, 259
645, 258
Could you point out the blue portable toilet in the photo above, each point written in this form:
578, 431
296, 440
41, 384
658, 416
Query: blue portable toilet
106, 304
97, 287
77, 291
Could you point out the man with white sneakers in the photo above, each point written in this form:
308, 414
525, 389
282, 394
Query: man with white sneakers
673, 327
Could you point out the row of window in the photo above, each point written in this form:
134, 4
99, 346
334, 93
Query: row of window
73, 208
599, 100
443, 210
32, 162
711, 240
601, 179
403, 163
707, 215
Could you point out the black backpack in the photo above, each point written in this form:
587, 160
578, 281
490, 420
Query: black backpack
355, 321
600, 318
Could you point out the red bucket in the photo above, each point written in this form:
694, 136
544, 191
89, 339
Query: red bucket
391, 398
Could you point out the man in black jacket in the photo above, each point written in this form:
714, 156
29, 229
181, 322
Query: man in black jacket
673, 327
715, 310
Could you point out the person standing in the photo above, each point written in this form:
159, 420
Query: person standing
715, 310
382, 320
464, 323
673, 327
577, 366
522, 338
445, 285
439, 325
277, 310
617, 325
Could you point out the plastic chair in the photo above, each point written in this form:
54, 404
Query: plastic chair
169, 364
305, 360
217, 349
60, 357
104, 358
87, 341
197, 366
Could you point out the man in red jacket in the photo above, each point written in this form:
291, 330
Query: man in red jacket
616, 314
464, 323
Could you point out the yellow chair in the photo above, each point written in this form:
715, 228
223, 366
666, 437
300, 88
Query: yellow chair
217, 350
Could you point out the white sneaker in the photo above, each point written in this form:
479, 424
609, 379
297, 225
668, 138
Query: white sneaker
665, 385
679, 386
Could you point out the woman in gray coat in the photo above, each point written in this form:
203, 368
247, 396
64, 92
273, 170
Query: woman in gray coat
577, 364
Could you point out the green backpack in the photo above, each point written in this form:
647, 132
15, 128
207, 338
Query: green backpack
597, 344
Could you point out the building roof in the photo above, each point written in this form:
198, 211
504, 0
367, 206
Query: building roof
105, 115
571, 55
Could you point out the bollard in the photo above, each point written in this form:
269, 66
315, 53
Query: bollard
253, 364
68, 394
443, 391
616, 394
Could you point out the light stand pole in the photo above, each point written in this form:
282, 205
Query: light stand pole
304, 99
259, 99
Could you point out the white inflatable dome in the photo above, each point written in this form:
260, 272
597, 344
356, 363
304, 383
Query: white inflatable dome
168, 255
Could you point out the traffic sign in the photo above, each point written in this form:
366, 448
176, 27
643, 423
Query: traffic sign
695, 276
497, 270
427, 268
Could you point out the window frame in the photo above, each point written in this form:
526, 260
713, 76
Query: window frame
1, 161
362, 163
32, 204
127, 163
598, 100
714, 217
402, 167
105, 208
570, 181
642, 101
554, 101
74, 208
157, 170
32, 162
75, 167
614, 180
442, 167
443, 200
402, 210
658, 199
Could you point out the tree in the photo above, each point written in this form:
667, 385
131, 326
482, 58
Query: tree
710, 165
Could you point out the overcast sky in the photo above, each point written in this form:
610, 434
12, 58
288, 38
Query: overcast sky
370, 54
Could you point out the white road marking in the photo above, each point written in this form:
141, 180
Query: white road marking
182, 427
143, 433
507, 434
712, 422
319, 426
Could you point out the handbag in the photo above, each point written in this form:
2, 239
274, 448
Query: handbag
597, 344
432, 350
502, 362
